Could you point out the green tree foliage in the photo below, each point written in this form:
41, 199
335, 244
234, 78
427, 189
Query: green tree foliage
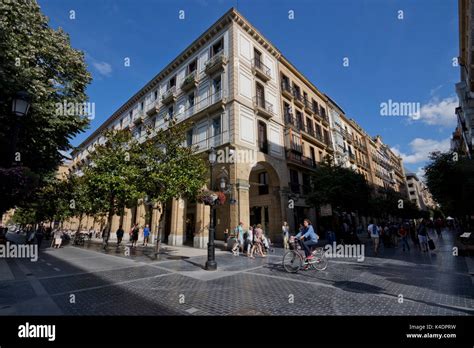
341, 187
168, 168
112, 174
451, 182
39, 60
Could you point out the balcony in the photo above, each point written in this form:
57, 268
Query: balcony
204, 106
295, 157
286, 90
152, 107
292, 121
298, 98
352, 157
262, 107
261, 70
138, 118
190, 82
169, 97
307, 106
215, 64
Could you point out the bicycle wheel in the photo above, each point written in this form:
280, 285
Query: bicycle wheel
292, 261
320, 261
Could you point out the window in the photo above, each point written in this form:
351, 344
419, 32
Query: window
191, 100
262, 137
285, 82
130, 117
257, 58
155, 95
217, 84
318, 131
315, 106
326, 137
216, 131
312, 154
141, 106
323, 112
192, 66
217, 47
305, 97
299, 119
170, 111
294, 181
260, 95
189, 137
172, 82
263, 183
296, 143
121, 123
309, 125
296, 91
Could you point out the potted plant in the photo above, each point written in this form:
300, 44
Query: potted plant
209, 197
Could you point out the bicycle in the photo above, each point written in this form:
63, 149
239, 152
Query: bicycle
295, 259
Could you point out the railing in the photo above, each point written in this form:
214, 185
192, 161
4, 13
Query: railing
168, 94
213, 141
289, 118
298, 96
285, 87
189, 80
217, 60
258, 65
263, 104
201, 105
300, 159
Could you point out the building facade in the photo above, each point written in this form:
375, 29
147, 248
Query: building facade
418, 193
463, 136
243, 97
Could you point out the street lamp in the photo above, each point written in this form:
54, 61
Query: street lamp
21, 104
20, 107
211, 264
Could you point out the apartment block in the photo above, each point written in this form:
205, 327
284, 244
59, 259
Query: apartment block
418, 192
242, 95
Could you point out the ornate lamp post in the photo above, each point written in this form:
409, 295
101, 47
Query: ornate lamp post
20, 107
211, 264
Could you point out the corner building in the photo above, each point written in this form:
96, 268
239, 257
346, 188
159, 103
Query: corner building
243, 96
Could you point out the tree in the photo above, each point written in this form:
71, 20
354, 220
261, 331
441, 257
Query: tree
39, 60
341, 187
112, 174
451, 182
168, 168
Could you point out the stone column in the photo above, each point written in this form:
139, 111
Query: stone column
178, 219
202, 226
242, 206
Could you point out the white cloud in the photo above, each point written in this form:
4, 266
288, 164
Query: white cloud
420, 149
439, 112
420, 173
103, 68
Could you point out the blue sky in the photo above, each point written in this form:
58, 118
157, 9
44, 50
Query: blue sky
403, 60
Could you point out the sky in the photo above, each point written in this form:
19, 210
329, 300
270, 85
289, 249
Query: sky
362, 53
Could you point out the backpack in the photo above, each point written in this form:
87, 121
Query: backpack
375, 232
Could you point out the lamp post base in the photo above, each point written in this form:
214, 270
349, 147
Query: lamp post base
211, 266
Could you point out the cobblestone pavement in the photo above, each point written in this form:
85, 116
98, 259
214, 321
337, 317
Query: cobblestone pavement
89, 281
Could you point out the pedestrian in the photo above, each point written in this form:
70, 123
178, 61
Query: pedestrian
423, 235
57, 240
439, 227
257, 242
119, 234
135, 232
375, 235
249, 240
146, 234
39, 235
239, 235
285, 229
105, 236
403, 233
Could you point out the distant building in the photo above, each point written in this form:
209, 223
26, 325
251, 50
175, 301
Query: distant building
418, 193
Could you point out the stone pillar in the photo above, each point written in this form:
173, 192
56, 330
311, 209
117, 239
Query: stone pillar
242, 206
201, 237
178, 219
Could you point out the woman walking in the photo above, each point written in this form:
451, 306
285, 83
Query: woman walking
257, 242
285, 229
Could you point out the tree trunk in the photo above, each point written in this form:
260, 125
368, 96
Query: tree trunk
160, 228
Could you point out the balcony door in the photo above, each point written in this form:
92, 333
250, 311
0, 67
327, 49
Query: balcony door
262, 137
260, 93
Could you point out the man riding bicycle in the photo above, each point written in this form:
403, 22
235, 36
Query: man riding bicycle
308, 237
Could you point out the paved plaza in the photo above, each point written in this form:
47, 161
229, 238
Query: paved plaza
88, 281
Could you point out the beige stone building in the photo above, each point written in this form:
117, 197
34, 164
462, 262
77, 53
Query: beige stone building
248, 101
